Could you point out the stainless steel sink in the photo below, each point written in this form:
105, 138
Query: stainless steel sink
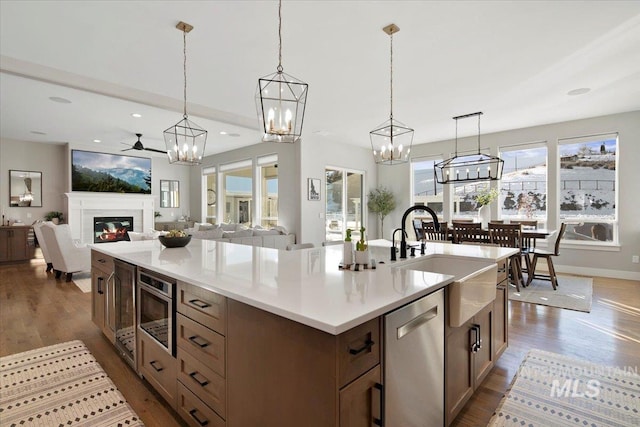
474, 283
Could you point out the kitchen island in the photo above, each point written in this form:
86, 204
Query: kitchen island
268, 337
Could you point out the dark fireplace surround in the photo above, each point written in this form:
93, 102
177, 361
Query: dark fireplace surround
111, 228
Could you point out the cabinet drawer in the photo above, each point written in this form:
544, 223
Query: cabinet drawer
194, 411
203, 382
202, 343
102, 262
502, 270
203, 306
358, 351
157, 366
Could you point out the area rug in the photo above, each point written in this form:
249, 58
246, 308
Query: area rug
60, 385
82, 281
573, 293
554, 390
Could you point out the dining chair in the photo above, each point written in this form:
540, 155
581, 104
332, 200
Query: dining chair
509, 236
430, 233
417, 227
528, 243
300, 246
539, 253
468, 232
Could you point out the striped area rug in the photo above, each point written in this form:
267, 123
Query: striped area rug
554, 390
60, 385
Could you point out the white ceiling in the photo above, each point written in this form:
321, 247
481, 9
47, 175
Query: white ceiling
513, 60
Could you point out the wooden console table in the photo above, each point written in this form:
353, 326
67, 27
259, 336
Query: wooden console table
14, 243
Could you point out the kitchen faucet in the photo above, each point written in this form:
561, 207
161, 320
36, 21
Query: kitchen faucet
393, 242
416, 207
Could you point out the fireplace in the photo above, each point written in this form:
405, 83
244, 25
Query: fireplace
111, 228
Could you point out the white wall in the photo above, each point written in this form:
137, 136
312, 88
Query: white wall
612, 262
317, 153
53, 160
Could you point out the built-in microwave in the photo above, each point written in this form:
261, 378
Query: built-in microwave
156, 308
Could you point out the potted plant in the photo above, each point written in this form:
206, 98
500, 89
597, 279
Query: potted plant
483, 199
382, 202
54, 216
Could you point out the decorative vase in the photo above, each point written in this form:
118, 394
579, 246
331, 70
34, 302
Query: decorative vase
484, 215
362, 257
347, 257
56, 221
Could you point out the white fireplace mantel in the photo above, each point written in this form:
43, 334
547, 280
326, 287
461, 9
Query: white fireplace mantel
82, 207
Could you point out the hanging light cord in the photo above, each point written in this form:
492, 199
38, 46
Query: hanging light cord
391, 78
184, 66
280, 36
478, 133
456, 138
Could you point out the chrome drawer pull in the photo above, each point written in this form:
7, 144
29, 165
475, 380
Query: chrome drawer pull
202, 344
202, 383
153, 365
199, 303
198, 420
367, 346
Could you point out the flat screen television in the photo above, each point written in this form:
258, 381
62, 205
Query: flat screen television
111, 173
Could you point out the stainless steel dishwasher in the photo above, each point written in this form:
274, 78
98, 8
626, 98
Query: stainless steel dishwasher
414, 363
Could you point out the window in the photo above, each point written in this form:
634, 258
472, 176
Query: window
268, 191
237, 180
210, 198
588, 182
464, 194
523, 188
343, 204
425, 188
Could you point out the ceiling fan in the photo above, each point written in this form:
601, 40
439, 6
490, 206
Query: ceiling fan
138, 146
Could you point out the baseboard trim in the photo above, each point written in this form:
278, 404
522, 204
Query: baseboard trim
597, 272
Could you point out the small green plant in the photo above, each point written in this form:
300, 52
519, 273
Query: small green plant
382, 202
361, 245
486, 196
156, 214
53, 214
348, 238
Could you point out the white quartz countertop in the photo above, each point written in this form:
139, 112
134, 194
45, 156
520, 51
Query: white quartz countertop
305, 285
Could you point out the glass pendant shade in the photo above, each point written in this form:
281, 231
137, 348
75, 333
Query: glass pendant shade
185, 142
280, 101
391, 142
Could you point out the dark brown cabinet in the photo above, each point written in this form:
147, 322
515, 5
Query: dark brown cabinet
361, 401
14, 243
102, 294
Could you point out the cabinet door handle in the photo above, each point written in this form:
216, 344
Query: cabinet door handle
102, 260
367, 345
203, 382
100, 291
202, 342
193, 413
199, 303
153, 365
380, 421
474, 345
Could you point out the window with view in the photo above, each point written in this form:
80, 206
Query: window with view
211, 196
523, 188
237, 186
588, 182
268, 192
425, 188
343, 203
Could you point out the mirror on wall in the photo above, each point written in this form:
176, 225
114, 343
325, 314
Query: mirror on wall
169, 193
25, 189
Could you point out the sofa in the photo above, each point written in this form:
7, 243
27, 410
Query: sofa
276, 237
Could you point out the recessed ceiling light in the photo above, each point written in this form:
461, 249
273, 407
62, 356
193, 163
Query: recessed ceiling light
579, 91
97, 140
60, 100
136, 115
223, 132
37, 132
235, 135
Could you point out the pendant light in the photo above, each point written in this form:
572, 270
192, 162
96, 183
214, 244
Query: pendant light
469, 168
391, 141
280, 101
185, 141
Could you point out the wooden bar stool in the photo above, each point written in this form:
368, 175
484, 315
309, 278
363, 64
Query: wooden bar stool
539, 253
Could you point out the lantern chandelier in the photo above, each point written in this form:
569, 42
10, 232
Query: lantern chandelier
185, 141
391, 141
468, 168
280, 101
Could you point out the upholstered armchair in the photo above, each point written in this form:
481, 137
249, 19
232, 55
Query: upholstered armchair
42, 243
66, 256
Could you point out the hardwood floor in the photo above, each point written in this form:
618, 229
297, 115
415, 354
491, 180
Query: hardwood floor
37, 310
